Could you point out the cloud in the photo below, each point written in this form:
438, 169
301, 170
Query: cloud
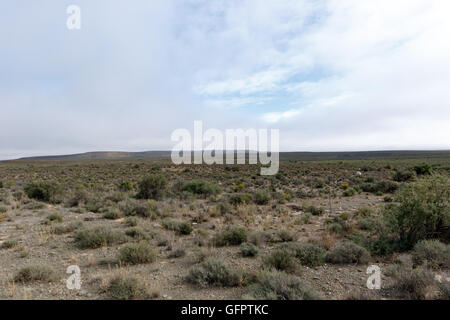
331, 75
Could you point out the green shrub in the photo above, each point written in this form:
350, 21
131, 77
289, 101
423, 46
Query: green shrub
179, 226
306, 218
339, 226
248, 249
35, 273
125, 186
281, 260
131, 221
136, 253
261, 198
276, 285
315, 211
112, 213
43, 191
233, 236
412, 283
79, 196
68, 228
423, 210
285, 236
136, 233
347, 252
212, 272
200, 187
152, 187
364, 211
239, 198
434, 252
386, 186
308, 254
380, 187
93, 204
403, 175
96, 237
349, 192
54, 217
380, 245
115, 197
260, 237
423, 169
126, 288
369, 223
145, 209
1, 184
8, 244
177, 253
335, 228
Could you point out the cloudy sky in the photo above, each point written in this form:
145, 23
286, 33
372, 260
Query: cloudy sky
330, 75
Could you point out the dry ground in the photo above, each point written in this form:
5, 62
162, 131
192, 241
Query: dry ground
300, 186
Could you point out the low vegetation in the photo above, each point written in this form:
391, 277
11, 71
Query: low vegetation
276, 285
141, 229
91, 238
213, 272
136, 253
35, 273
126, 288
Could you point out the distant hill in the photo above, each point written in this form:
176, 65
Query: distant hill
104, 155
359, 155
298, 156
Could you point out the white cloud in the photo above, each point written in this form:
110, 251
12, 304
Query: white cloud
330, 75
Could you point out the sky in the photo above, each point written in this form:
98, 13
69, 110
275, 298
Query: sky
331, 75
